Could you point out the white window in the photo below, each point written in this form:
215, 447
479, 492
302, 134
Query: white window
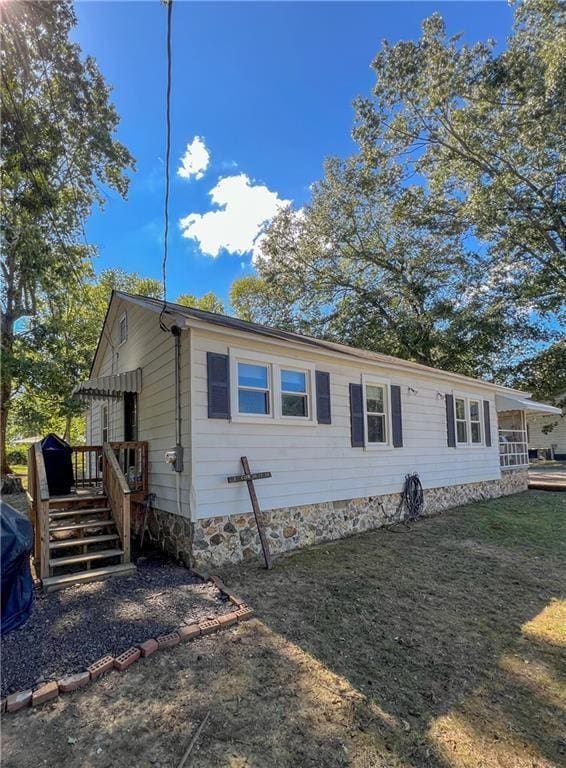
475, 422
254, 393
469, 424
105, 431
376, 416
461, 420
377, 412
123, 329
271, 388
294, 393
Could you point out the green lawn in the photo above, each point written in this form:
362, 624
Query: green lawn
438, 646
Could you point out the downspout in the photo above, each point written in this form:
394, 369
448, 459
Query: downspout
178, 466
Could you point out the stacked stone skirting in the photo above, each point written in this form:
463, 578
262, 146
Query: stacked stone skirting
233, 538
170, 533
51, 690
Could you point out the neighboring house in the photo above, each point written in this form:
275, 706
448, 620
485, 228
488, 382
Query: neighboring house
547, 434
339, 428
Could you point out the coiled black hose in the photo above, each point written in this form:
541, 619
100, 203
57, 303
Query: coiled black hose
413, 497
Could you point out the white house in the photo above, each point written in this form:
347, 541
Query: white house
547, 434
339, 429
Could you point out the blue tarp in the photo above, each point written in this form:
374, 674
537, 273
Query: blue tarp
16, 538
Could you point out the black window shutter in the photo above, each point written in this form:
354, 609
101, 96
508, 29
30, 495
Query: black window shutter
396, 416
486, 423
323, 397
450, 424
218, 369
356, 415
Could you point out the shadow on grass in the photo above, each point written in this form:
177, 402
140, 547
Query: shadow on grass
418, 622
387, 650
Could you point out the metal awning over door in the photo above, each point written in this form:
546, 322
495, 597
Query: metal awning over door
109, 386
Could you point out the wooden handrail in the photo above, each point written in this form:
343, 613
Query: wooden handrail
118, 491
42, 486
110, 458
39, 494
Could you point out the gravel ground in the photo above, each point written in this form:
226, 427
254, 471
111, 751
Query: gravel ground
70, 629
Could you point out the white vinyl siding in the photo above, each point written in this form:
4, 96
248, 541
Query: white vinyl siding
318, 464
541, 437
152, 350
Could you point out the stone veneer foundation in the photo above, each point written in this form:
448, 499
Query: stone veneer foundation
232, 538
215, 541
170, 533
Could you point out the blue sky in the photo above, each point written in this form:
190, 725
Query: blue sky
268, 88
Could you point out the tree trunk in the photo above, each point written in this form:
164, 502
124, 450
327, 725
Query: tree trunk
5, 387
67, 435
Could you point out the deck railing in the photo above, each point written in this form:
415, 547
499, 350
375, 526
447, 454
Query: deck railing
118, 491
119, 468
132, 460
513, 448
87, 465
38, 496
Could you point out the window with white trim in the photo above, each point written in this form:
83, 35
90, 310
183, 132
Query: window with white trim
294, 393
461, 420
254, 391
105, 430
377, 417
475, 422
123, 329
264, 387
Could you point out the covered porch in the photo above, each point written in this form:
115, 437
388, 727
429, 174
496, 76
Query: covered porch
513, 436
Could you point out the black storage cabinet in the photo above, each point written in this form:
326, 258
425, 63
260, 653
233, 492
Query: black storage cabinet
57, 455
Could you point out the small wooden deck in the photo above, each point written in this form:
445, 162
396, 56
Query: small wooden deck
90, 526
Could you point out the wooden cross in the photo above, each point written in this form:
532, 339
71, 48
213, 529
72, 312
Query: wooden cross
249, 478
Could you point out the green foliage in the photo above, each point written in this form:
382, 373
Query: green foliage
253, 300
17, 454
485, 133
56, 350
209, 302
376, 262
544, 375
58, 148
442, 239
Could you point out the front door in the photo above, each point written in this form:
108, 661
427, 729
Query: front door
130, 416
130, 430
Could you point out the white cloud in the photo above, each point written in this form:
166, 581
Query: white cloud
244, 208
195, 160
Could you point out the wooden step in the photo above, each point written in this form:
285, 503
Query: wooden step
52, 583
80, 542
81, 526
72, 512
96, 555
73, 500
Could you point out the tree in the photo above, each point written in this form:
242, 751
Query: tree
209, 302
252, 300
544, 374
378, 263
485, 132
56, 349
58, 146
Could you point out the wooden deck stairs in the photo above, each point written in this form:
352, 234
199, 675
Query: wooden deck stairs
85, 535
84, 544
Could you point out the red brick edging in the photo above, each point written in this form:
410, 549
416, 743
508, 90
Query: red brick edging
52, 689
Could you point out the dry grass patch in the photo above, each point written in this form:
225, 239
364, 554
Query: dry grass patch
387, 650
